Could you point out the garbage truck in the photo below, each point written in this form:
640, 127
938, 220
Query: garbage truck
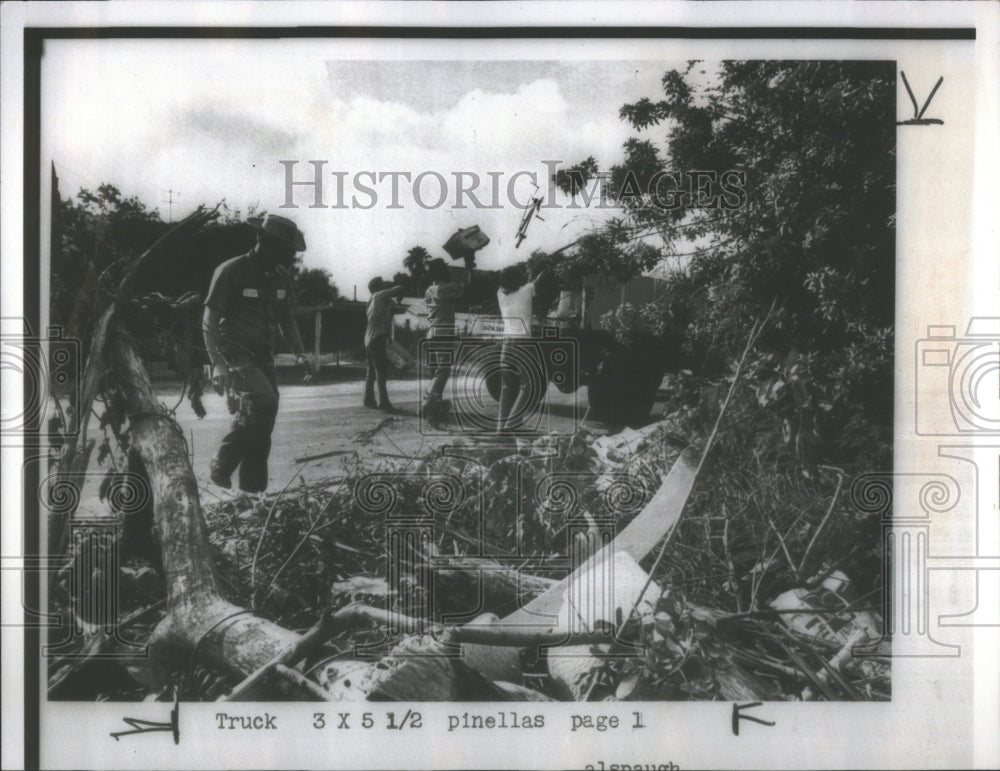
576, 352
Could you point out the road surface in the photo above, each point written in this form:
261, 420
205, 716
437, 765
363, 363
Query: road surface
319, 418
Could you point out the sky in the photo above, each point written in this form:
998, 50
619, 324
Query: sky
212, 121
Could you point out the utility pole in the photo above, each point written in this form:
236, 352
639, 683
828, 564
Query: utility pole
170, 203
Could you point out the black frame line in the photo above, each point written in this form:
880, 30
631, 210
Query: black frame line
514, 33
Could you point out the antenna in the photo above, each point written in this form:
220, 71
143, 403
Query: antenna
170, 203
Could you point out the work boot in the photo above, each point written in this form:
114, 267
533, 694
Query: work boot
218, 476
370, 403
386, 406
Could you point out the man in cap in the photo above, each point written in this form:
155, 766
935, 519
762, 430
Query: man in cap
249, 297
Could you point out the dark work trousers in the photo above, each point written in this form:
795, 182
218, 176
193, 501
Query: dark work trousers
378, 370
440, 369
248, 443
520, 372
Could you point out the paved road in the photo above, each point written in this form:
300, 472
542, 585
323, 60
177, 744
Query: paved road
318, 418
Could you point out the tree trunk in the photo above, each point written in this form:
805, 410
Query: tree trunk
199, 623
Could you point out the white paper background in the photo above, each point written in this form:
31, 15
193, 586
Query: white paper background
943, 713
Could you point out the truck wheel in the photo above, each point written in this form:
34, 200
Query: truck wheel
639, 403
604, 399
493, 384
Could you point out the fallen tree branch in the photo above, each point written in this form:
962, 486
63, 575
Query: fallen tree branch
74, 462
826, 517
302, 648
198, 623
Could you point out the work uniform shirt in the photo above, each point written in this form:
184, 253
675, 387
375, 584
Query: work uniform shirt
251, 301
380, 314
442, 300
515, 307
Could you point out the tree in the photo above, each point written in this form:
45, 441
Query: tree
416, 263
101, 229
313, 286
406, 281
792, 203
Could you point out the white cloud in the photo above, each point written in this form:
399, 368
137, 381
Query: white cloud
212, 122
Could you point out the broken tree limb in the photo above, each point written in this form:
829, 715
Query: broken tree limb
322, 455
357, 614
74, 462
198, 623
487, 586
302, 648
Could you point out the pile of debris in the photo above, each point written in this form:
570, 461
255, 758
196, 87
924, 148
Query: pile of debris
509, 573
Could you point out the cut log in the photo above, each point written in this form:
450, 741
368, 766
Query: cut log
496, 663
572, 668
302, 648
473, 586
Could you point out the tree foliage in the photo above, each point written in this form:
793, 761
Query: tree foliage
811, 228
415, 262
102, 232
313, 286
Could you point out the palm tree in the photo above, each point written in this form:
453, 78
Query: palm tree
416, 263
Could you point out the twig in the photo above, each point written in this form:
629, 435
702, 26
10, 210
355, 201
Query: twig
833, 672
749, 658
755, 331
831, 668
806, 670
729, 562
314, 527
141, 613
826, 517
784, 548
260, 540
330, 454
